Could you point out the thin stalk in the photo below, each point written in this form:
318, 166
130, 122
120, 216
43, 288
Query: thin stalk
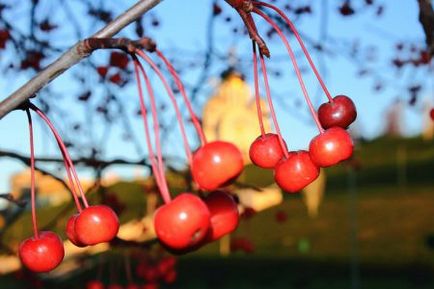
64, 151
257, 98
173, 99
270, 104
187, 101
156, 162
32, 176
294, 62
300, 41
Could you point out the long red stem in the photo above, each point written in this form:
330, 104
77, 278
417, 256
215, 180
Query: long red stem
64, 151
32, 176
270, 104
294, 62
173, 99
300, 41
156, 161
187, 101
257, 98
152, 156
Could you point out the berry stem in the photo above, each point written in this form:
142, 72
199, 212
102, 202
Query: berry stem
294, 62
65, 153
270, 104
181, 88
156, 161
257, 98
300, 41
32, 176
173, 99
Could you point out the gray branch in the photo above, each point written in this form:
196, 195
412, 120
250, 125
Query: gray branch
71, 57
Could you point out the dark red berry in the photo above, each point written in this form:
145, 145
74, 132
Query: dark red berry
331, 147
42, 254
182, 223
216, 164
266, 151
295, 172
341, 112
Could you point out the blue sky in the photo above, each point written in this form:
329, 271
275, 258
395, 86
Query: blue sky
183, 27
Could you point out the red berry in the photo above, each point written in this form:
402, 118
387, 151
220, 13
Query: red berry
70, 231
331, 147
216, 164
170, 277
266, 151
295, 172
42, 254
96, 224
102, 71
166, 264
94, 284
224, 214
431, 113
119, 59
182, 223
341, 112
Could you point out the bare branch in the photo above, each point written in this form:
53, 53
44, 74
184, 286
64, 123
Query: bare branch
72, 57
426, 18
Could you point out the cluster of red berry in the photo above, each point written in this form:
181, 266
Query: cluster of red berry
92, 225
187, 222
149, 274
296, 169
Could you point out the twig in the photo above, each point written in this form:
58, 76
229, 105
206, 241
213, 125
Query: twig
72, 57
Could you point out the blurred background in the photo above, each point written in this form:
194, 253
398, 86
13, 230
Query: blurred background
366, 223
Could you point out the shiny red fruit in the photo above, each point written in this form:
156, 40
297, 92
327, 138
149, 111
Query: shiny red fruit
295, 172
431, 113
94, 284
70, 231
266, 151
216, 164
96, 224
224, 214
331, 147
341, 112
166, 264
182, 223
42, 254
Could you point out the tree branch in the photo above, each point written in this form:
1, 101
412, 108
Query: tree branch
72, 57
426, 18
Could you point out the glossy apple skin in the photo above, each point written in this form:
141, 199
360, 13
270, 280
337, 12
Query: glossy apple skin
224, 214
341, 112
295, 172
216, 164
331, 147
431, 113
266, 151
96, 224
70, 232
42, 254
182, 223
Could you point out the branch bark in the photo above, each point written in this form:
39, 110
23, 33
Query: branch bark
71, 57
426, 18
